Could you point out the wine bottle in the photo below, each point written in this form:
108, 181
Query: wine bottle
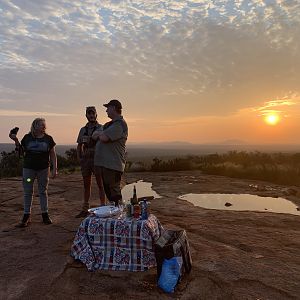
134, 199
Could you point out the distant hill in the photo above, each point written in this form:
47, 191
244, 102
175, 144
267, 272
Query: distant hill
170, 150
179, 144
164, 145
137, 151
233, 142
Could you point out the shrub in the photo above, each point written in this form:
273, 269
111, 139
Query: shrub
10, 165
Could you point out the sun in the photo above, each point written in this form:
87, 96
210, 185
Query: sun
272, 119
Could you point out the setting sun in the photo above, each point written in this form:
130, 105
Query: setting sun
272, 119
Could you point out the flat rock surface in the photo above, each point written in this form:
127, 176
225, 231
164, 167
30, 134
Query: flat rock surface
236, 255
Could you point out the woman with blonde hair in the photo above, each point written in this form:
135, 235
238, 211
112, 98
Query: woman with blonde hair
37, 148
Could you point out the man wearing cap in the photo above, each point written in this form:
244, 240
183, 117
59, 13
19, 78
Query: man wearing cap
110, 151
85, 154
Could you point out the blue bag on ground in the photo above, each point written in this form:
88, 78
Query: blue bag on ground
173, 243
170, 274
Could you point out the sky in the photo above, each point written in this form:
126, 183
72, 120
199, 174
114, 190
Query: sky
198, 71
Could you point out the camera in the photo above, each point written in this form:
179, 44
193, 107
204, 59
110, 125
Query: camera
14, 130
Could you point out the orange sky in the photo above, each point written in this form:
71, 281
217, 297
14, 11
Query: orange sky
192, 71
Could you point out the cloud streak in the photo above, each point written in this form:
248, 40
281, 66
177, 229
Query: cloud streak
279, 106
20, 113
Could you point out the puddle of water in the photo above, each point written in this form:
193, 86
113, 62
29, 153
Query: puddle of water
143, 189
242, 202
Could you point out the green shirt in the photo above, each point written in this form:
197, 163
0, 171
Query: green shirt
111, 154
86, 133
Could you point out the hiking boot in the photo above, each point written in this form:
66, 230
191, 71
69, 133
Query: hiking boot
46, 219
82, 214
25, 221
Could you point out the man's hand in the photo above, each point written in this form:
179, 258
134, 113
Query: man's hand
101, 136
96, 135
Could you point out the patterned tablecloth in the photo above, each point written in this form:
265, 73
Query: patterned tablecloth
116, 244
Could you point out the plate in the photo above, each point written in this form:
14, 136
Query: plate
105, 211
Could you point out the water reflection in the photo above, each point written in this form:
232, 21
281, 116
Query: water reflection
143, 189
242, 202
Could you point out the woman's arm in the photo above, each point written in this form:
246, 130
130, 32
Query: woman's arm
19, 147
53, 159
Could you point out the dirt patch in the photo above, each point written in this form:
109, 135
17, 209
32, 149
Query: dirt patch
236, 255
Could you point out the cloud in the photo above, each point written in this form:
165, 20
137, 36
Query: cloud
287, 107
6, 101
279, 106
205, 52
19, 113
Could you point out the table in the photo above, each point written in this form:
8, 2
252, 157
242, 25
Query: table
125, 244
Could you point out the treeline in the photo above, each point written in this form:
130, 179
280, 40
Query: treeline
281, 168
274, 167
11, 165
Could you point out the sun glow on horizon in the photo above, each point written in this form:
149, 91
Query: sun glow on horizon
272, 119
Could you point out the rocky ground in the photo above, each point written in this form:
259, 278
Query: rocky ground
236, 255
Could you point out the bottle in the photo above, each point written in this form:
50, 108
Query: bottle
144, 210
136, 211
129, 210
134, 199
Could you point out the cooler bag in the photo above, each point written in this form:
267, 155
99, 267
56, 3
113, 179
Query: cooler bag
173, 243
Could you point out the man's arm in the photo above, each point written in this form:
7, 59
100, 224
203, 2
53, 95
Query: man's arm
79, 148
79, 151
54, 162
104, 138
110, 134
100, 135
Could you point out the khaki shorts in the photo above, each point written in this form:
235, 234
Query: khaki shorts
87, 164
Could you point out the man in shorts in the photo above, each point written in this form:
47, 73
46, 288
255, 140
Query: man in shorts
85, 154
110, 151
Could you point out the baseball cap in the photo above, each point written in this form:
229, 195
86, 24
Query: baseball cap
116, 103
91, 108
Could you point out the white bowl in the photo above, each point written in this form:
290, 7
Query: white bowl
105, 211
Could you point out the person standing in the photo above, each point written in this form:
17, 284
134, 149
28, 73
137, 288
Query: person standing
110, 151
37, 147
85, 154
